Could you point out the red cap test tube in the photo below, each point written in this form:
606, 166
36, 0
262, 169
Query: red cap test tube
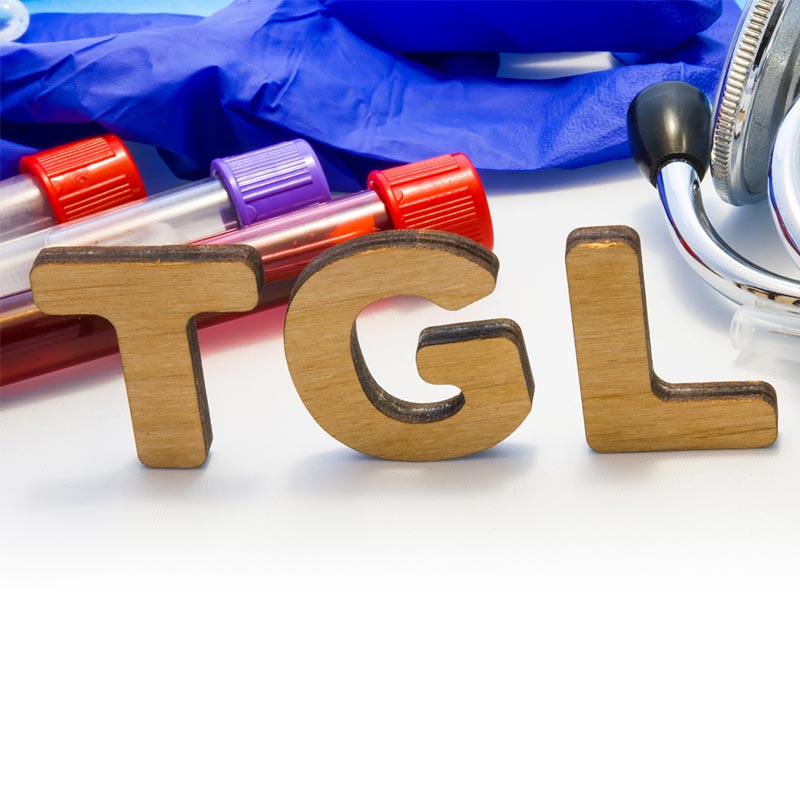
66, 183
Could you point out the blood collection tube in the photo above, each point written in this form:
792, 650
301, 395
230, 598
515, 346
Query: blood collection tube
66, 183
443, 193
241, 190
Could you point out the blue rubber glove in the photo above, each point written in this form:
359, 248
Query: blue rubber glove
525, 26
259, 72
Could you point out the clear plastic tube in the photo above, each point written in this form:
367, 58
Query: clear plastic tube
23, 207
756, 329
289, 242
174, 217
33, 343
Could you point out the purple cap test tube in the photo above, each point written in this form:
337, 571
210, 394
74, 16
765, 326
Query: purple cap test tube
242, 189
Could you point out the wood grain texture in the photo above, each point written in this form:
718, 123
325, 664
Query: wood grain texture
486, 360
150, 295
626, 406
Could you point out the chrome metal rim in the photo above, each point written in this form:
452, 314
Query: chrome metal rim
760, 82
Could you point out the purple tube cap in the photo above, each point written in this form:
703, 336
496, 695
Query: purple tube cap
272, 181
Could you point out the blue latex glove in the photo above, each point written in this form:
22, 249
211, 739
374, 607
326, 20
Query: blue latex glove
259, 72
525, 26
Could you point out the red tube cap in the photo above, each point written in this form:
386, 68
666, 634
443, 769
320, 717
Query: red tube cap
442, 194
85, 177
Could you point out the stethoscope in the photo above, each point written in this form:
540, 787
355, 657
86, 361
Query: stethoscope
754, 152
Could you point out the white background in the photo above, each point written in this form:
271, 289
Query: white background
295, 620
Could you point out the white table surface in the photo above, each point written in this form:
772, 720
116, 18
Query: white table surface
295, 620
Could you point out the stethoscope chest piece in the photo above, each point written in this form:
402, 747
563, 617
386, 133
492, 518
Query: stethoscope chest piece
761, 81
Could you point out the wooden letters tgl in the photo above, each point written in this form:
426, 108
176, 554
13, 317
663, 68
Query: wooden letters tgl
151, 294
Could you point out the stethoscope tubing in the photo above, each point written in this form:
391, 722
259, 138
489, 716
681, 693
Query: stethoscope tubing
725, 270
